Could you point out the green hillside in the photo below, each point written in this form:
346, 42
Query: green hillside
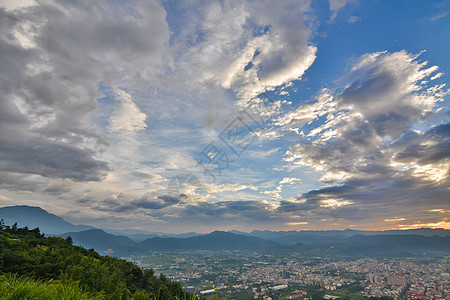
53, 263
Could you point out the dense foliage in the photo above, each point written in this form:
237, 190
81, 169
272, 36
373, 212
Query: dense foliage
28, 253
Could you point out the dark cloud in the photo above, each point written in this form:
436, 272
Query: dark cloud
161, 201
297, 206
50, 159
357, 139
229, 214
49, 83
85, 200
242, 211
60, 187
379, 196
427, 148
121, 203
20, 182
365, 89
31, 183
383, 91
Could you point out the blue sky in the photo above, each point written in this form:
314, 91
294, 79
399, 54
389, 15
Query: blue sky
181, 116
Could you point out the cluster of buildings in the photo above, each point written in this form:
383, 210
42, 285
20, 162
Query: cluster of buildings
409, 279
256, 274
396, 278
295, 273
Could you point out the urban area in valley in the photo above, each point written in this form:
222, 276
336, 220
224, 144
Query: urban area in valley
252, 275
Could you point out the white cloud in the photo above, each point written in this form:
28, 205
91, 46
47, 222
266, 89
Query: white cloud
296, 223
437, 16
333, 203
438, 210
336, 6
289, 180
254, 52
262, 154
276, 193
353, 19
226, 187
396, 219
438, 75
16, 4
127, 118
333, 176
304, 114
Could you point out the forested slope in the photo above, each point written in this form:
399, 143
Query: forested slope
28, 253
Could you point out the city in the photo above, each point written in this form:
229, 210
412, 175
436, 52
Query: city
241, 275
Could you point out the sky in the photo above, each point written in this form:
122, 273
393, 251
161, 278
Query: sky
179, 116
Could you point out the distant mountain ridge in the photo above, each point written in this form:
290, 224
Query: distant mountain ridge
320, 236
140, 235
217, 240
376, 245
101, 242
310, 242
33, 217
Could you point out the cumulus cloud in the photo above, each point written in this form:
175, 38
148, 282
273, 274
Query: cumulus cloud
275, 57
289, 180
362, 138
246, 47
51, 87
276, 193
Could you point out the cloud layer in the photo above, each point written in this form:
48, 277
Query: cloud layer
107, 106
56, 55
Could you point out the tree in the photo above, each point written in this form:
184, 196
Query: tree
69, 240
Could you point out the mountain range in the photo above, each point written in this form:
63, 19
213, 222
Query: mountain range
325, 236
217, 240
329, 242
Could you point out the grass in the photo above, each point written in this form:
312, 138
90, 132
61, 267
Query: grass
13, 286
